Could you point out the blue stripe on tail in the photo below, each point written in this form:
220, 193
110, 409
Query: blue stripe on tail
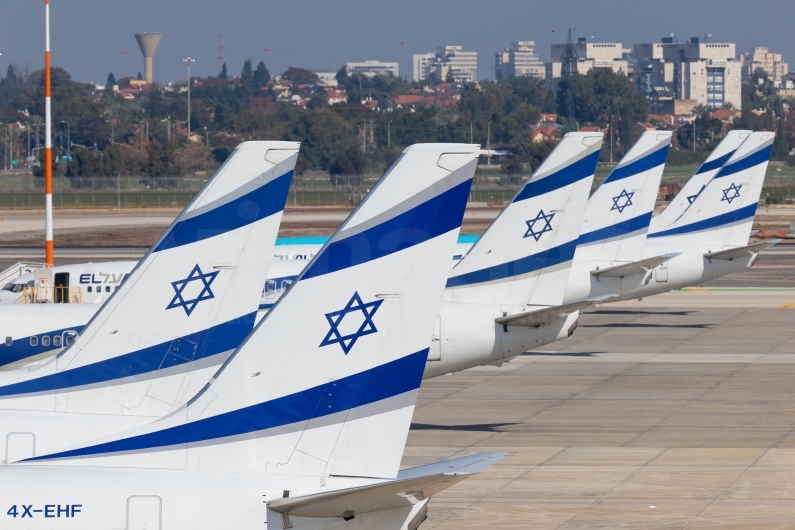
713, 222
242, 211
619, 229
640, 165
377, 384
583, 168
430, 219
218, 339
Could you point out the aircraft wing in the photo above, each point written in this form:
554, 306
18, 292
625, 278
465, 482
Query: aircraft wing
741, 252
397, 493
545, 315
636, 267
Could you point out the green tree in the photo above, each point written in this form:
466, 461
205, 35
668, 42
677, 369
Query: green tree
261, 75
111, 79
299, 76
780, 144
247, 74
223, 75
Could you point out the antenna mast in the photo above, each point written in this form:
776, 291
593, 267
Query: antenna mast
569, 68
221, 59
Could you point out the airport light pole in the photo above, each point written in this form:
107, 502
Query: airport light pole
118, 191
48, 244
189, 61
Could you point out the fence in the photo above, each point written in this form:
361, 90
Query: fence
489, 187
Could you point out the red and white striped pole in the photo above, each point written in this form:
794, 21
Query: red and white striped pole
48, 248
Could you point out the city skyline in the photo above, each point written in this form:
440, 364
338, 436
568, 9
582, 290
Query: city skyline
326, 37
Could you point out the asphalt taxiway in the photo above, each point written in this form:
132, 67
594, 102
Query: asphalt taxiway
674, 412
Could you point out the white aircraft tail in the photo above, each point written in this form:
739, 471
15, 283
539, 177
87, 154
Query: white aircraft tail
535, 235
723, 213
188, 303
327, 382
618, 213
695, 184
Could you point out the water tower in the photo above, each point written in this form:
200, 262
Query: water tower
148, 43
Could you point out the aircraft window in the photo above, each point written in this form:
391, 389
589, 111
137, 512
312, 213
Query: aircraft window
14, 287
89, 289
34, 341
107, 288
69, 340
286, 284
45, 340
56, 341
9, 341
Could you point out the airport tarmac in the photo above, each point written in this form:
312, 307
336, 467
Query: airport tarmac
674, 412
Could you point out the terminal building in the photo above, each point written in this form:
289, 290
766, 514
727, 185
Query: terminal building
372, 68
519, 60
448, 62
691, 73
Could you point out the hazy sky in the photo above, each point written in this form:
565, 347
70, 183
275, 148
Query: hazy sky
91, 38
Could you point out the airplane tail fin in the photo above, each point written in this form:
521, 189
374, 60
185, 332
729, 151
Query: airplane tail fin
695, 184
618, 213
723, 213
327, 382
535, 235
190, 300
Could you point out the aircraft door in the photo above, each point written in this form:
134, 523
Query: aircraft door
67, 338
61, 288
20, 445
661, 271
435, 353
144, 512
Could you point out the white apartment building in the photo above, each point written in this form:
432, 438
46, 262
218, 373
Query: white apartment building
590, 55
448, 62
771, 63
706, 73
372, 68
423, 65
519, 60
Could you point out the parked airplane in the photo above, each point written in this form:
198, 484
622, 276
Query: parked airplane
308, 440
695, 184
182, 311
710, 239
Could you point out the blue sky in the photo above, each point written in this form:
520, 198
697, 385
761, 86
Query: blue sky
91, 38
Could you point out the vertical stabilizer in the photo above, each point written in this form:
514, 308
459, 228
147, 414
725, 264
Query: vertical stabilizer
719, 156
535, 235
187, 304
723, 213
326, 384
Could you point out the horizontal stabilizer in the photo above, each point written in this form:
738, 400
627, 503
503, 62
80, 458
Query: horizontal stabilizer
465, 464
364, 499
741, 252
636, 267
546, 315
411, 487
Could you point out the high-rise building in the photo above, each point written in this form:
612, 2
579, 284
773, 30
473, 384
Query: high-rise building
449, 62
589, 55
770, 63
705, 73
519, 60
372, 68
423, 63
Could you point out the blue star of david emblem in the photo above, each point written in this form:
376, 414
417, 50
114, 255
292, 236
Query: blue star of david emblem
691, 198
335, 318
626, 200
204, 293
734, 190
547, 219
